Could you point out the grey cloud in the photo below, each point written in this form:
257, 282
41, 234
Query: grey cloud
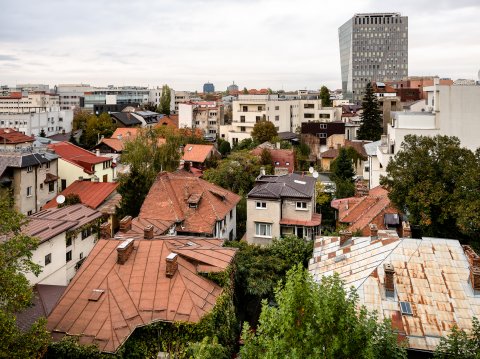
8, 58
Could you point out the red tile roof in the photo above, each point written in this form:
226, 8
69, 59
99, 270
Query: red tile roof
198, 153
284, 158
315, 221
11, 136
77, 155
359, 212
92, 194
114, 143
330, 153
169, 196
170, 121
125, 132
138, 292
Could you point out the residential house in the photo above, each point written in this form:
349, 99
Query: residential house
282, 205
125, 119
283, 161
12, 140
66, 237
76, 163
180, 203
426, 286
358, 213
31, 175
336, 142
198, 155
388, 101
126, 284
323, 130
101, 196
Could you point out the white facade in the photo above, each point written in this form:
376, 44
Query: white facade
31, 124
156, 94
71, 95
205, 115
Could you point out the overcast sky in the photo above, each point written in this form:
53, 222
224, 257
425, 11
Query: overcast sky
184, 43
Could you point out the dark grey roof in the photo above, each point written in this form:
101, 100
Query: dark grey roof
287, 136
126, 118
291, 185
23, 158
33, 159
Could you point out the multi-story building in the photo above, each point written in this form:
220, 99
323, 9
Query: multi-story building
112, 95
373, 47
232, 89
72, 96
156, 94
181, 97
13, 140
205, 115
32, 177
208, 88
282, 205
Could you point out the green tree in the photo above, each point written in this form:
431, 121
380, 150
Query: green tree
325, 96
459, 344
72, 139
266, 157
207, 349
371, 127
318, 320
71, 198
302, 156
436, 183
80, 118
42, 133
342, 175
245, 91
98, 127
15, 290
224, 148
165, 100
245, 144
264, 131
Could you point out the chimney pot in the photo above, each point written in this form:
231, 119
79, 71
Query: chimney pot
373, 231
389, 272
148, 232
126, 224
345, 236
406, 230
105, 230
124, 250
172, 265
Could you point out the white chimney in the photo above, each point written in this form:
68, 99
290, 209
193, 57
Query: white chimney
97, 152
262, 171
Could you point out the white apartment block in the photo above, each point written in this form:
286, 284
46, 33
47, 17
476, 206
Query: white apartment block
72, 96
180, 97
156, 94
286, 113
448, 111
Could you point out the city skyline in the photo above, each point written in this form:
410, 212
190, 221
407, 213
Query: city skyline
264, 43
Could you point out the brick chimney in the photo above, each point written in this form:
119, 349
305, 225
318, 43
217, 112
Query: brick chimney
474, 262
148, 232
373, 232
126, 224
345, 236
105, 230
172, 265
389, 272
406, 230
124, 250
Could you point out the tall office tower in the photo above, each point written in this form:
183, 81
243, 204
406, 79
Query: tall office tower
373, 47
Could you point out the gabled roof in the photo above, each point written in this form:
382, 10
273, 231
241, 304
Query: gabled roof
125, 132
23, 159
77, 155
92, 194
170, 120
168, 198
126, 118
280, 158
48, 223
10, 136
138, 292
330, 153
198, 153
287, 186
114, 143
431, 274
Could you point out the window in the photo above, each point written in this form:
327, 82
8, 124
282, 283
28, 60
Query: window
263, 229
51, 187
41, 185
29, 169
85, 233
29, 191
277, 108
69, 241
231, 213
302, 205
242, 119
323, 126
257, 118
48, 258
260, 205
242, 129
81, 255
29, 213
277, 118
308, 115
107, 164
260, 108
406, 308
308, 105
68, 256
322, 135
244, 108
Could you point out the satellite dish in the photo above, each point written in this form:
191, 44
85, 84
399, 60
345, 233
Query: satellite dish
311, 169
60, 199
315, 174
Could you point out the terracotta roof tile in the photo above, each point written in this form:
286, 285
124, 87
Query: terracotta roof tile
137, 292
198, 153
11, 136
92, 194
77, 155
280, 158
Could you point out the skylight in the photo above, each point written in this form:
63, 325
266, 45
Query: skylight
300, 182
406, 308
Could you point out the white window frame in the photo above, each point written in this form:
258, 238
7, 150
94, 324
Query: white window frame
301, 206
261, 205
267, 231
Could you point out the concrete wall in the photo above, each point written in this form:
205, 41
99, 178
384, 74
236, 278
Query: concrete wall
271, 214
290, 211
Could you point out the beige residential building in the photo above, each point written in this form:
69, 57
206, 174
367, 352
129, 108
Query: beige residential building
282, 205
205, 115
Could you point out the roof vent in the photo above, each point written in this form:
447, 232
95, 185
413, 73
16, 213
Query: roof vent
95, 295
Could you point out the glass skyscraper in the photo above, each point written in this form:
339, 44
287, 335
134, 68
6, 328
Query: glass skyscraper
373, 47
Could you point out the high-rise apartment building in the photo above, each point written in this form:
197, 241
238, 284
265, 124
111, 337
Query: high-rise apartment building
373, 47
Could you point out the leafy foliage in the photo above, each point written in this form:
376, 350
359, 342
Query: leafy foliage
342, 175
318, 320
325, 96
459, 344
98, 127
437, 183
207, 349
264, 131
266, 157
42, 133
165, 100
71, 198
80, 119
69, 348
302, 153
224, 148
371, 127
15, 290
245, 144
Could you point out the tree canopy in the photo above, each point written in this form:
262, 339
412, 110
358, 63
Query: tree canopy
325, 96
460, 344
165, 100
371, 127
342, 175
97, 127
436, 183
264, 131
15, 290
318, 320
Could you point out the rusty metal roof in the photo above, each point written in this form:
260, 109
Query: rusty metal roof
431, 274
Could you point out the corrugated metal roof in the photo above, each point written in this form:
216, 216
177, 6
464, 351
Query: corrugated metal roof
431, 274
